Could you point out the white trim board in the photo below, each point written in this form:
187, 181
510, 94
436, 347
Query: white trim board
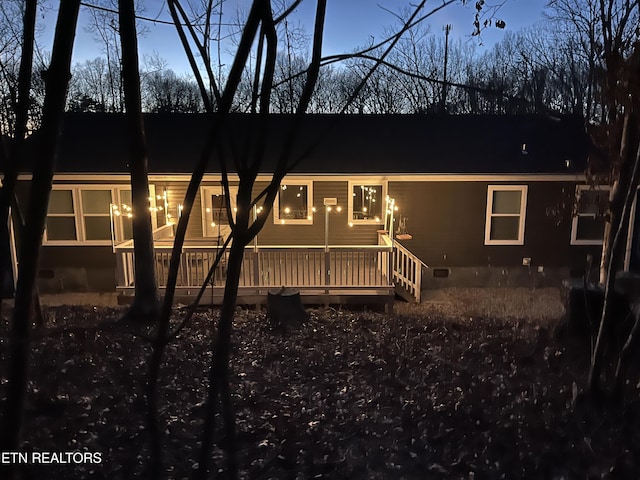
264, 177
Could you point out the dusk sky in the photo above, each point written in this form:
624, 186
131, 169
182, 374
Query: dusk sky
349, 23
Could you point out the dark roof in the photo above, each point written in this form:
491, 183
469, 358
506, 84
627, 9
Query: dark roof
349, 144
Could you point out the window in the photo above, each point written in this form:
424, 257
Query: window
90, 214
293, 204
215, 219
96, 215
125, 220
366, 202
61, 218
506, 207
588, 221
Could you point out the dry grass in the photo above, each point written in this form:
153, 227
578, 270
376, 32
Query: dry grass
541, 305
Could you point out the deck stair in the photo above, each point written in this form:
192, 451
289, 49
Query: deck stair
407, 272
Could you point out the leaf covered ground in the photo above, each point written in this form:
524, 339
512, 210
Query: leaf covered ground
350, 394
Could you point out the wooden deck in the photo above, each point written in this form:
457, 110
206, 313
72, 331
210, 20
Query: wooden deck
337, 274
341, 274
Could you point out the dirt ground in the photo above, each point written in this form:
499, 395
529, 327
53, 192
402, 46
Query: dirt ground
469, 385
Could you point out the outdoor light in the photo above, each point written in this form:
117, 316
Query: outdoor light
287, 210
338, 209
208, 210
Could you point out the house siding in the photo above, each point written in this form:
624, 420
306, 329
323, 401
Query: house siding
445, 218
447, 223
340, 233
77, 269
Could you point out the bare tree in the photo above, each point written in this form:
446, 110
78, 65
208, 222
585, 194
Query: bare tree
56, 80
145, 302
608, 34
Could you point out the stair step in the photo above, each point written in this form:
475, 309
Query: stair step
404, 293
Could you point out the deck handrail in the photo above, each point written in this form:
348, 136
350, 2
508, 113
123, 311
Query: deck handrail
268, 266
128, 246
407, 270
406, 267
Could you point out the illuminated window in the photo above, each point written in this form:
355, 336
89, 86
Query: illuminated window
61, 218
588, 222
366, 202
215, 217
293, 204
506, 208
125, 219
91, 214
96, 217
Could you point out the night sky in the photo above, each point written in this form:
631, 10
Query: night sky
349, 23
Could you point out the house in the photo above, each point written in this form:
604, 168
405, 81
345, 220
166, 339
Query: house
480, 200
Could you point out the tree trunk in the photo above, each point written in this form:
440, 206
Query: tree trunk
631, 156
145, 302
56, 84
11, 157
285, 309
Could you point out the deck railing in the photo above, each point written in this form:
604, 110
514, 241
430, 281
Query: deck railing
334, 267
405, 266
407, 270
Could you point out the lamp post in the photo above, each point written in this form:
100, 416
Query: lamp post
328, 203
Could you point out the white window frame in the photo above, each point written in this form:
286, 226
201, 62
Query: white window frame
79, 214
489, 213
367, 181
295, 221
205, 197
574, 220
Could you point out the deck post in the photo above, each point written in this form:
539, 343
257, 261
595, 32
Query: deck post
120, 270
256, 267
327, 269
